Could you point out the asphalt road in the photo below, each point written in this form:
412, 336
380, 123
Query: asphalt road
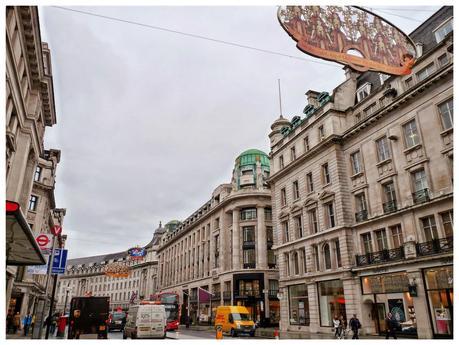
185, 334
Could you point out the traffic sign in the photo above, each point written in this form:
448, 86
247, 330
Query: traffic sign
44, 242
56, 230
60, 261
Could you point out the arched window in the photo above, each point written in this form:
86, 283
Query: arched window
327, 257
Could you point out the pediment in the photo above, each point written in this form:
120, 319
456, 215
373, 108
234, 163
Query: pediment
295, 208
283, 214
310, 202
326, 195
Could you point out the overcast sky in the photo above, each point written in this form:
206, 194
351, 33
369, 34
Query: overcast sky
150, 122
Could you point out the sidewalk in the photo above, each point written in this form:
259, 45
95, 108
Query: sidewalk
268, 333
20, 335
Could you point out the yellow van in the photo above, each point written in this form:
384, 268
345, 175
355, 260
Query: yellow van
235, 320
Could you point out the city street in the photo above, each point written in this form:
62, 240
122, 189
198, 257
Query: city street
184, 334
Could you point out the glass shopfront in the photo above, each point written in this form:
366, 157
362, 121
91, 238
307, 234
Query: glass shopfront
331, 301
299, 304
439, 286
391, 294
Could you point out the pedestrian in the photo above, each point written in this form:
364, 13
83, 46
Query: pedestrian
391, 326
16, 322
9, 321
354, 325
27, 322
53, 321
337, 326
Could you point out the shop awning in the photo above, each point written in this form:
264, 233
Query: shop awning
21, 247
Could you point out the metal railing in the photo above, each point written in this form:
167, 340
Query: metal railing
272, 293
390, 206
435, 246
248, 292
385, 255
421, 196
249, 265
248, 244
361, 216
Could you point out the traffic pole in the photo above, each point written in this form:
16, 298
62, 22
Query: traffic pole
51, 306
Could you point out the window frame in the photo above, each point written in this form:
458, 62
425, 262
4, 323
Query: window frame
405, 134
296, 190
283, 198
309, 182
326, 179
438, 30
383, 149
354, 161
450, 112
33, 203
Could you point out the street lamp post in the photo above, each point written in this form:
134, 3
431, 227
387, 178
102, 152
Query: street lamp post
67, 290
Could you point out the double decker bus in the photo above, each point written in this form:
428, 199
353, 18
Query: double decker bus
170, 300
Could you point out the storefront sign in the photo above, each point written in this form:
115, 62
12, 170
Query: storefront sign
385, 283
351, 36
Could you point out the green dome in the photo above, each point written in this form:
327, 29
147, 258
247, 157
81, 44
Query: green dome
251, 156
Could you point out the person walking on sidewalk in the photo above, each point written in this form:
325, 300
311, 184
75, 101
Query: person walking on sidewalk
337, 325
354, 325
27, 322
391, 326
9, 321
16, 322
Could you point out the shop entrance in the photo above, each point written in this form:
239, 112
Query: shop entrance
380, 317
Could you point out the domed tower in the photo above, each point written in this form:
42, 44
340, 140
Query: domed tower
251, 170
172, 226
276, 130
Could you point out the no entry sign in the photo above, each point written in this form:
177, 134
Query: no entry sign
56, 230
45, 242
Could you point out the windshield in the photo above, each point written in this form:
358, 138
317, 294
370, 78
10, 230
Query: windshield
241, 317
171, 312
118, 316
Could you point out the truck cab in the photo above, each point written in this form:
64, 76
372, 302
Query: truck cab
234, 320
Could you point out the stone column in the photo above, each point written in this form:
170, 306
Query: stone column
314, 315
212, 250
236, 241
261, 243
420, 305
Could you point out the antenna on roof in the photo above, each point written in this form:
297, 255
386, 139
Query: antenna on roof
280, 97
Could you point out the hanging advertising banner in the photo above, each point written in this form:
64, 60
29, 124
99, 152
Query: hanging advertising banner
117, 270
137, 253
38, 269
351, 36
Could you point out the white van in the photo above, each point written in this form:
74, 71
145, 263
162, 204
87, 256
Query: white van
145, 321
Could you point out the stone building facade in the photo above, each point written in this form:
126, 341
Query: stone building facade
29, 110
86, 275
225, 248
363, 197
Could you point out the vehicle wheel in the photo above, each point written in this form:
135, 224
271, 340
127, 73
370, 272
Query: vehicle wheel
233, 333
124, 335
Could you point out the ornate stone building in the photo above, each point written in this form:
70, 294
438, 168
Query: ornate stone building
30, 169
225, 247
87, 276
363, 197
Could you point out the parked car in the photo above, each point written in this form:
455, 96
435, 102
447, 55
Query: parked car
117, 320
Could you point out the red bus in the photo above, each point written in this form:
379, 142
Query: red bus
170, 300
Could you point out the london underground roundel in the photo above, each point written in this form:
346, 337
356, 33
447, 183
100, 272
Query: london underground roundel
351, 36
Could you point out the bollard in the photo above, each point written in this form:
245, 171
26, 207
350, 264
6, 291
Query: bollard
276, 334
219, 332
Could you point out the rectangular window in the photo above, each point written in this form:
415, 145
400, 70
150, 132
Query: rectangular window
430, 228
287, 264
249, 258
330, 212
367, 244
325, 174
283, 197
303, 258
298, 227
381, 239
269, 235
446, 113
281, 162
360, 202
331, 301
285, 231
37, 174
409, 82
363, 92
389, 192
425, 72
397, 235
370, 110
248, 213
420, 180
382, 146
447, 220
306, 144
443, 30
299, 305
321, 133
33, 201
443, 60
315, 253
292, 153
310, 184
296, 190
313, 221
338, 254
296, 263
355, 162
268, 214
411, 134
248, 233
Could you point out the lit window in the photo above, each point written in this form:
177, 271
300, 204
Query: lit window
443, 30
355, 162
411, 134
382, 146
446, 112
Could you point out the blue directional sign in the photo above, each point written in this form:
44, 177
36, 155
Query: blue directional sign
60, 261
